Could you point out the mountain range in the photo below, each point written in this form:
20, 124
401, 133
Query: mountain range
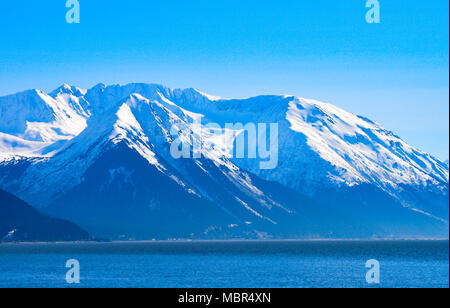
102, 159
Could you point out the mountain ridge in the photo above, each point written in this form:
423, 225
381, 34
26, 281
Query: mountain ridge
322, 148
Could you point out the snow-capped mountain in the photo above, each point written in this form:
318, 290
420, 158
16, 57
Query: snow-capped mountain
35, 124
102, 158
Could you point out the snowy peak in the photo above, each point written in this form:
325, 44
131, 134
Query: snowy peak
361, 147
67, 89
33, 123
318, 141
17, 110
346, 148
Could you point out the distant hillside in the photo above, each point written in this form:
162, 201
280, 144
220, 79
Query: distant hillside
21, 222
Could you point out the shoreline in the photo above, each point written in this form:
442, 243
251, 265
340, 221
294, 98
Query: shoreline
224, 241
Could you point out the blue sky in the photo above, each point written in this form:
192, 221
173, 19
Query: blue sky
395, 72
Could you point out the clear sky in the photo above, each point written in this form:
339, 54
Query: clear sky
395, 72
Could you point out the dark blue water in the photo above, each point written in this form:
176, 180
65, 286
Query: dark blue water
295, 264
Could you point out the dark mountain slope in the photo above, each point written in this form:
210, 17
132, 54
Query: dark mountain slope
21, 222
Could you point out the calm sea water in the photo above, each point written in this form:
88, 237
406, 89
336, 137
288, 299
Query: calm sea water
295, 264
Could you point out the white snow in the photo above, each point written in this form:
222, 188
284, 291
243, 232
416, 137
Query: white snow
33, 123
127, 125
